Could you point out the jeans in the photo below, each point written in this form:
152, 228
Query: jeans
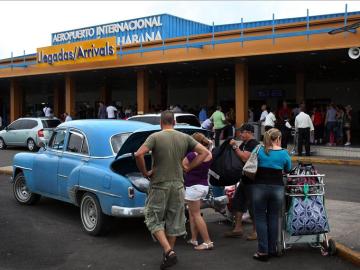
217, 136
267, 204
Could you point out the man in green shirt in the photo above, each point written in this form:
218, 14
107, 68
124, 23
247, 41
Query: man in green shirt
164, 207
219, 121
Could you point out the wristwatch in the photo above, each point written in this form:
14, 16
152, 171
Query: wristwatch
234, 147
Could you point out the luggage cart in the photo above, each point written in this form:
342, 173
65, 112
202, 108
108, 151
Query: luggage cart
295, 187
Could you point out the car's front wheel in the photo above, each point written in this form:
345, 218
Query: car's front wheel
31, 145
94, 221
21, 192
2, 144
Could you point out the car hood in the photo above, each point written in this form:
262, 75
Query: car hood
137, 138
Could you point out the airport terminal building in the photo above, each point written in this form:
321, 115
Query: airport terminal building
160, 60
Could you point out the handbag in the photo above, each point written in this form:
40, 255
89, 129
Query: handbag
251, 165
307, 216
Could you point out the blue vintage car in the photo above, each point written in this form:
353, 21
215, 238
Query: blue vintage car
89, 163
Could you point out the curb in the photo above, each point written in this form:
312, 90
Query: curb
348, 254
319, 160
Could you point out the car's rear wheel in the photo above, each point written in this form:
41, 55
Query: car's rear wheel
21, 192
94, 221
2, 144
31, 145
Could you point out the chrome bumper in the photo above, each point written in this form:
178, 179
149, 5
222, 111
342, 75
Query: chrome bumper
119, 211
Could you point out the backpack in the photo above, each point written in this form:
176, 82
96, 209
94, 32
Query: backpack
226, 167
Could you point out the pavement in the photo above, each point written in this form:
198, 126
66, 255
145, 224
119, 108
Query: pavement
343, 215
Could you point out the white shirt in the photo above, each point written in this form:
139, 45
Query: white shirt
263, 116
270, 120
303, 120
68, 118
111, 111
47, 111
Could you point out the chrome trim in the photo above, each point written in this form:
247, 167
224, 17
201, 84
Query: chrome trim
24, 168
119, 211
98, 191
63, 176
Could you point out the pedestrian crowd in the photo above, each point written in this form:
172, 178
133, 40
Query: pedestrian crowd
179, 177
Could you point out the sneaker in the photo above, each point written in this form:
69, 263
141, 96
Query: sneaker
347, 144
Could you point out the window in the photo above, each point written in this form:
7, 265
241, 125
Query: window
30, 124
18, 124
188, 119
154, 120
77, 143
57, 140
118, 140
53, 123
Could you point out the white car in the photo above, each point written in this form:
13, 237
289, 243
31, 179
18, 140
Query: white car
180, 119
28, 132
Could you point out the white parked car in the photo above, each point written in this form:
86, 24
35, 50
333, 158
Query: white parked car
180, 119
28, 132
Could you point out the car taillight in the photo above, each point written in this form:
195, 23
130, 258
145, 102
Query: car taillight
41, 133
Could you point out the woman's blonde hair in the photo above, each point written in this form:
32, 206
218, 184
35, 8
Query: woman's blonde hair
269, 137
201, 139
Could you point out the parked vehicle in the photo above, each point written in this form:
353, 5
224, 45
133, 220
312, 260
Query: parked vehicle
89, 163
180, 119
28, 132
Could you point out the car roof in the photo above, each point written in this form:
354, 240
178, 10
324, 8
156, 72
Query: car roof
159, 114
99, 131
37, 118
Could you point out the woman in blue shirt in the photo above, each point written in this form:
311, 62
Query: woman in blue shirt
268, 192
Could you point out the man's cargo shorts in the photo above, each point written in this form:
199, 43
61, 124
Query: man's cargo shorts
164, 208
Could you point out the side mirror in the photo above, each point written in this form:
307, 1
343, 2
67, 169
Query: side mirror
42, 145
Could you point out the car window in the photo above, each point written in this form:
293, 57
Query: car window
154, 120
53, 123
77, 143
118, 140
188, 119
57, 140
29, 124
18, 124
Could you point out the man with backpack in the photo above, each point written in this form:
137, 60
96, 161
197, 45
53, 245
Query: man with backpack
242, 197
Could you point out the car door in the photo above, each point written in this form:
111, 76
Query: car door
74, 156
11, 136
46, 164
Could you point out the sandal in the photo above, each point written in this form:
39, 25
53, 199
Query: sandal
251, 237
205, 246
169, 259
192, 242
261, 257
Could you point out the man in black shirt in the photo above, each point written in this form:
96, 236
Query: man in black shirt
242, 197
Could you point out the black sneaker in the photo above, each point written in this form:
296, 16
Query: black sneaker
169, 259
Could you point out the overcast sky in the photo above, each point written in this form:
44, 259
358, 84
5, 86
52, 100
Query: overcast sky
28, 25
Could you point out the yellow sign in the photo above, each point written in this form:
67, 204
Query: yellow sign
78, 52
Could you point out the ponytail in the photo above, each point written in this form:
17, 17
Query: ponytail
269, 137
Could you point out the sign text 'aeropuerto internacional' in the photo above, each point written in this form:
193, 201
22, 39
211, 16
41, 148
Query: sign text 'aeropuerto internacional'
79, 52
126, 32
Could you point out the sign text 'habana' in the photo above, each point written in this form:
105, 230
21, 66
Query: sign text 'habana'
126, 32
78, 52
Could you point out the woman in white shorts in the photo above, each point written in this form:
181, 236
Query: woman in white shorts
196, 188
